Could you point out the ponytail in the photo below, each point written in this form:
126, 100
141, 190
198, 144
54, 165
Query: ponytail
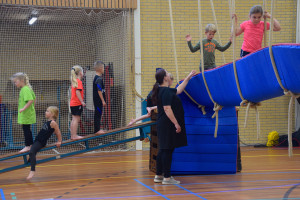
27, 81
159, 76
155, 93
74, 73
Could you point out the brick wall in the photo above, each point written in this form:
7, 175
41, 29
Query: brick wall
157, 49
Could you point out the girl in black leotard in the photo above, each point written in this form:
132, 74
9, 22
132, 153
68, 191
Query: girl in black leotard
45, 133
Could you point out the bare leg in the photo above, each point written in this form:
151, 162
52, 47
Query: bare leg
25, 149
100, 132
74, 127
30, 175
132, 121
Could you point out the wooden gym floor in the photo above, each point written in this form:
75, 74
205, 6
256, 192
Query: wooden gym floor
267, 173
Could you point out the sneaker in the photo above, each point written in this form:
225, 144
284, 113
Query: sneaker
25, 149
158, 179
171, 181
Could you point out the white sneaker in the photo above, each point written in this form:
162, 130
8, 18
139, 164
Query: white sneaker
171, 181
25, 149
158, 179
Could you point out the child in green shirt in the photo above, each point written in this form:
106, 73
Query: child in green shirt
26, 110
209, 46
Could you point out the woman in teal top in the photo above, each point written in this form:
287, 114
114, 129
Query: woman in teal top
26, 110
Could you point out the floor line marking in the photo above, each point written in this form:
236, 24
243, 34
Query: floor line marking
2, 194
191, 192
151, 189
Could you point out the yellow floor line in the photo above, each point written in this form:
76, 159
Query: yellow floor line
268, 156
75, 180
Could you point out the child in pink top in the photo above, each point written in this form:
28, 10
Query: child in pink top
254, 29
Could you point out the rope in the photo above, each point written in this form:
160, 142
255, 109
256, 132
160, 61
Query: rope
132, 64
271, 51
173, 39
218, 32
265, 23
286, 91
244, 101
253, 105
175, 57
217, 107
199, 106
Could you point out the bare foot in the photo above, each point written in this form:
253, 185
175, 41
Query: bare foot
31, 174
131, 122
25, 149
77, 137
100, 132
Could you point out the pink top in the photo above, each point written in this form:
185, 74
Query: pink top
253, 35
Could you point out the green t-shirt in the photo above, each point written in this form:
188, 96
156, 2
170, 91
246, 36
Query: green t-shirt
28, 116
209, 50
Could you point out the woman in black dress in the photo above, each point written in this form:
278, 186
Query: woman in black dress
170, 123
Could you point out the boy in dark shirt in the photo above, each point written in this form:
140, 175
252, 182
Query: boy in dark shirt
98, 94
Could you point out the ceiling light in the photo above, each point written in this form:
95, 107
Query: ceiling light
32, 20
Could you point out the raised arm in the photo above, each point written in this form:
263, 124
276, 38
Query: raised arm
238, 31
181, 87
276, 23
192, 48
223, 48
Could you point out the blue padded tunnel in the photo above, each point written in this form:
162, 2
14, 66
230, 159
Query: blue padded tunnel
206, 154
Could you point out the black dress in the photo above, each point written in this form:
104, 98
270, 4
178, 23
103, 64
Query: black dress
166, 131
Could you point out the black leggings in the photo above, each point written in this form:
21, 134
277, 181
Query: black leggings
163, 162
32, 153
27, 134
97, 118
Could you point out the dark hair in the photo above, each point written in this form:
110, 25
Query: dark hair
159, 76
98, 64
256, 9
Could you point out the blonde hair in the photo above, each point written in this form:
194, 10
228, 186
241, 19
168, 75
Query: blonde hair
256, 9
210, 27
22, 77
54, 111
98, 65
74, 73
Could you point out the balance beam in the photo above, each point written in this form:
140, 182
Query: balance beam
85, 139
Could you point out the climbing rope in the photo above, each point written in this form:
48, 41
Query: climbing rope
193, 100
175, 57
265, 23
244, 101
217, 107
173, 39
216, 23
131, 63
286, 91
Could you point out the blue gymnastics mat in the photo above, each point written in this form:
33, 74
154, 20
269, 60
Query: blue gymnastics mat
206, 154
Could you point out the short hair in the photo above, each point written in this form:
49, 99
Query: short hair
98, 64
256, 9
54, 111
210, 27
